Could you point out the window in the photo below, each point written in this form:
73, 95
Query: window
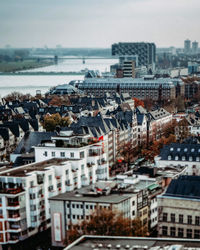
77, 206
71, 155
86, 206
164, 230
172, 217
180, 232
189, 233
189, 219
197, 234
180, 218
183, 158
82, 154
133, 213
53, 154
133, 203
197, 220
164, 216
176, 158
169, 157
45, 153
50, 177
73, 206
190, 158
62, 154
67, 172
172, 231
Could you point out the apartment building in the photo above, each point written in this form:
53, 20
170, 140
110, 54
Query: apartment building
66, 145
179, 210
24, 194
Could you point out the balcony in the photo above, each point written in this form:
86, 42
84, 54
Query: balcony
14, 228
12, 191
89, 165
14, 217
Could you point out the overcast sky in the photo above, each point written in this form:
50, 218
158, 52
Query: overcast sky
98, 23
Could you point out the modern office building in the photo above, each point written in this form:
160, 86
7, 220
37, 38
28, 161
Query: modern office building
127, 195
142, 88
146, 52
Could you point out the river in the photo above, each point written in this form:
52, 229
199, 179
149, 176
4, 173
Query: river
31, 83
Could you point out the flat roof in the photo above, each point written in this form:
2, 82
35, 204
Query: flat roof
84, 194
87, 242
24, 170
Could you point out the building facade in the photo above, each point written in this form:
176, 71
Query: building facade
146, 51
179, 210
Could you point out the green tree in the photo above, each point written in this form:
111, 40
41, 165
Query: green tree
51, 121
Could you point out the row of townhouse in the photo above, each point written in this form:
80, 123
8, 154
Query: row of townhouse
12, 132
24, 191
151, 124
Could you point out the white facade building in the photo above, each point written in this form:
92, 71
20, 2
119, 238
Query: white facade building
77, 147
24, 194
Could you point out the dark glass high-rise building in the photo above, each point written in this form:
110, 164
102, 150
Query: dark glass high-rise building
146, 51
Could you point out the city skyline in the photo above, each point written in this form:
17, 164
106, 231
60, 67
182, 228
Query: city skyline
90, 23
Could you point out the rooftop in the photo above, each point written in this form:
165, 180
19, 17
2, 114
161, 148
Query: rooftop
24, 170
93, 194
88, 242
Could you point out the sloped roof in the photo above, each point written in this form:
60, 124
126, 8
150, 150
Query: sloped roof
31, 139
184, 187
180, 150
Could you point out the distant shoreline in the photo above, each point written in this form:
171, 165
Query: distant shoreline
40, 73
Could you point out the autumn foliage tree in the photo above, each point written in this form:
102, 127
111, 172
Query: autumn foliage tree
51, 121
59, 100
156, 146
106, 222
138, 102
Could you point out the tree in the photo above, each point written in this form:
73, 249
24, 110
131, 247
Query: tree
138, 102
51, 121
59, 100
106, 222
17, 96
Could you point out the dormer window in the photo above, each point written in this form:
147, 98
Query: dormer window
192, 150
178, 149
171, 149
185, 149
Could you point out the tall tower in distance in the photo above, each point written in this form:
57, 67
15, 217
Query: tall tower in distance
187, 46
195, 47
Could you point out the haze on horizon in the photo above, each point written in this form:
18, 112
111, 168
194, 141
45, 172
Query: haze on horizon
97, 23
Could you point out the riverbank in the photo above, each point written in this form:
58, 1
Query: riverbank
40, 73
12, 67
